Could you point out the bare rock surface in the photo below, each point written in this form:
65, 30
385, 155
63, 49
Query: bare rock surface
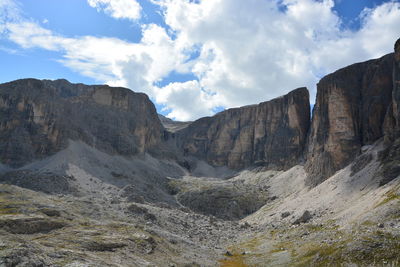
272, 133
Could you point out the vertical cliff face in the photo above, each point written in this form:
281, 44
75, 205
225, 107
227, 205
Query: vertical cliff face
396, 90
38, 117
349, 112
271, 133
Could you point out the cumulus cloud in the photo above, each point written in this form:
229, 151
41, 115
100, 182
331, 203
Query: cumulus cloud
255, 50
110, 60
119, 9
239, 52
186, 98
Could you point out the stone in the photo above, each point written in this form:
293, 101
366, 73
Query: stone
304, 218
50, 212
271, 134
228, 254
285, 214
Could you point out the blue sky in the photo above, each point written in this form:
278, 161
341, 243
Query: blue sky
193, 58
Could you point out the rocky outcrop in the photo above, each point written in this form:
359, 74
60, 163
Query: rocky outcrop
38, 117
271, 134
349, 112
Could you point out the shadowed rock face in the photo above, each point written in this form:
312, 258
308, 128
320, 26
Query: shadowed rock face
271, 134
396, 91
349, 112
38, 117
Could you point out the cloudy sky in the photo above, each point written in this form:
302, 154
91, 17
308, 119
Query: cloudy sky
193, 57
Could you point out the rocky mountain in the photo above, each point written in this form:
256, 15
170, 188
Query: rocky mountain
93, 176
349, 113
355, 106
271, 134
37, 118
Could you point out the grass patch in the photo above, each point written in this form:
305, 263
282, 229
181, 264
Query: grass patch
237, 260
389, 196
317, 255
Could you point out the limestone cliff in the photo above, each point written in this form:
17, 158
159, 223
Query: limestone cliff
349, 112
272, 134
37, 118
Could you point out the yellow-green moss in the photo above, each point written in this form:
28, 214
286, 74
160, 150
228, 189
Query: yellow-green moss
237, 260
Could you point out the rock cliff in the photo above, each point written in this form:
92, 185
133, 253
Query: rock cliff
37, 118
349, 112
272, 134
355, 106
396, 90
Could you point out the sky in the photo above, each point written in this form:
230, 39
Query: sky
193, 57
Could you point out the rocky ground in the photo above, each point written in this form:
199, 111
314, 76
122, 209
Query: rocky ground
102, 214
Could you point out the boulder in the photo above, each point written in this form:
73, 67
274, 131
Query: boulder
304, 218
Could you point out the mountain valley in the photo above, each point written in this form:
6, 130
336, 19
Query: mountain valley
93, 176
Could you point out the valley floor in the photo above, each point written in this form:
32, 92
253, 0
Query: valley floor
111, 211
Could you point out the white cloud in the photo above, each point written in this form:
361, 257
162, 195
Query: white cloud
110, 60
184, 99
249, 51
119, 9
9, 12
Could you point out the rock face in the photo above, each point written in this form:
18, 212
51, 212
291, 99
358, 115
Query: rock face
350, 112
390, 157
271, 134
37, 118
396, 90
